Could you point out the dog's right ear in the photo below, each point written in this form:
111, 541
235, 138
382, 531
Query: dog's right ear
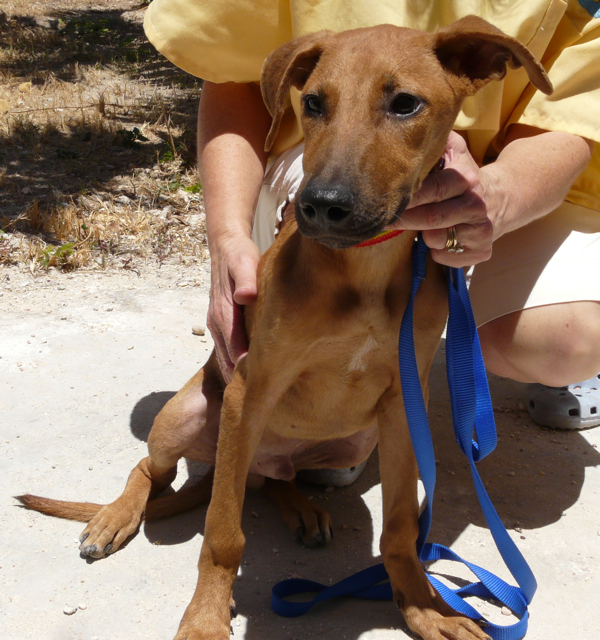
289, 65
475, 52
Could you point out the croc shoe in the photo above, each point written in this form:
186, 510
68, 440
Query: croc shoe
332, 477
574, 407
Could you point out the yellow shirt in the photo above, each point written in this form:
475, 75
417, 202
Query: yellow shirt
228, 41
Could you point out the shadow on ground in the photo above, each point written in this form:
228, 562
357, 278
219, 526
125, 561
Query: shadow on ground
534, 475
144, 412
70, 151
65, 42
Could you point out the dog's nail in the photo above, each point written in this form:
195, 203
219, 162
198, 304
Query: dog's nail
400, 602
88, 550
326, 535
319, 538
83, 537
108, 547
299, 534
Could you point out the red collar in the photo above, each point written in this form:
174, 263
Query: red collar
381, 237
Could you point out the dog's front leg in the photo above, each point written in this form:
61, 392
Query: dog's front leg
424, 610
243, 417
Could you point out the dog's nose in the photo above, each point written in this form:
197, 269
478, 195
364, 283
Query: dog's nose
326, 206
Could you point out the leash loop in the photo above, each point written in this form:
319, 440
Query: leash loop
475, 433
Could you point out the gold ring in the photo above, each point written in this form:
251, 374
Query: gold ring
452, 243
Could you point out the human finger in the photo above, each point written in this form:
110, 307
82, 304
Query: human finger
437, 188
225, 364
474, 243
237, 343
243, 271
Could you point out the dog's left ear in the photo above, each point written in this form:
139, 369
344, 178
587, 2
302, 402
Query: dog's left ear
475, 52
289, 65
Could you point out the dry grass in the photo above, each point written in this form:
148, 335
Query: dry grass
97, 146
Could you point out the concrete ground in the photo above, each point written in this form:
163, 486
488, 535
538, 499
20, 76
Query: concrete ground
86, 363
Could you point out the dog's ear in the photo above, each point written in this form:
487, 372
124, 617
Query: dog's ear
289, 65
475, 52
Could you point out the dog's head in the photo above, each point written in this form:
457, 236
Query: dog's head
378, 105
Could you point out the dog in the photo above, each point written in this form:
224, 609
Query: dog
320, 385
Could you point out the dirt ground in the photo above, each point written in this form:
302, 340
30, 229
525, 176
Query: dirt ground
103, 274
88, 359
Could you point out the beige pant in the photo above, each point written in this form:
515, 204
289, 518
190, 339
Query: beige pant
553, 260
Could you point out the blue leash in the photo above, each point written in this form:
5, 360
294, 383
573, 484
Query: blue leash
471, 412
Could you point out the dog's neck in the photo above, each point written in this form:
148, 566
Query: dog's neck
372, 266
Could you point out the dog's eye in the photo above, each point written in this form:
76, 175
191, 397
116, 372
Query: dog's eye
312, 105
405, 105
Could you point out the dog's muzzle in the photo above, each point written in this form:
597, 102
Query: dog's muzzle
326, 208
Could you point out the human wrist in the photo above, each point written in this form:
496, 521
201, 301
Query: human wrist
227, 241
500, 201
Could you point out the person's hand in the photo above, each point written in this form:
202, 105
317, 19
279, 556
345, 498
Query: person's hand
233, 284
455, 196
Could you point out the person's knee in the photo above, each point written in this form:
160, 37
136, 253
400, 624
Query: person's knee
554, 345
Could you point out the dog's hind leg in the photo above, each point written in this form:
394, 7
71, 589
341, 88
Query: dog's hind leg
110, 525
307, 522
186, 426
116, 521
190, 417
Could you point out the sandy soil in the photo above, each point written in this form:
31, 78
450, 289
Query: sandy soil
88, 359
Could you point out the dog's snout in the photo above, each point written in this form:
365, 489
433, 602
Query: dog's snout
326, 206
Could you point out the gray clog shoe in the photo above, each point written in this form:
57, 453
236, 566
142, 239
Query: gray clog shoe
332, 477
574, 407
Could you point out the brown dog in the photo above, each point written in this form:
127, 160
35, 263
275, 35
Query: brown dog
320, 384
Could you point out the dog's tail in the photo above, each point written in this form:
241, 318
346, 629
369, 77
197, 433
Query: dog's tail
185, 499
80, 511
164, 507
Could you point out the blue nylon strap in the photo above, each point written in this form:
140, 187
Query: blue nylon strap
462, 335
472, 414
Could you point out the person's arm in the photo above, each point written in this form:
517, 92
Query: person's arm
232, 127
540, 166
529, 179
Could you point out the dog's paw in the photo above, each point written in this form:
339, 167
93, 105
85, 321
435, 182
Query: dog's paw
197, 628
192, 634
431, 625
107, 530
307, 522
310, 525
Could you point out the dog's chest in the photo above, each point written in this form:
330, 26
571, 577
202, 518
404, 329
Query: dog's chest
337, 392
360, 358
